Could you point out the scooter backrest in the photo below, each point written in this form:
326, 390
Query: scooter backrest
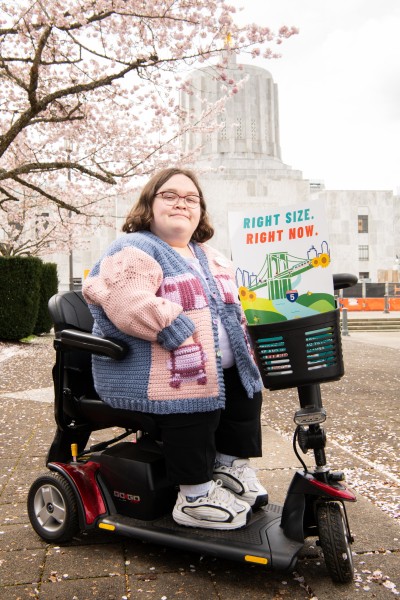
68, 310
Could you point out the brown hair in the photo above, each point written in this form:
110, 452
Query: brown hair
141, 214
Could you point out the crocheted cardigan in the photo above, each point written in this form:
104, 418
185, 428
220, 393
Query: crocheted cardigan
145, 294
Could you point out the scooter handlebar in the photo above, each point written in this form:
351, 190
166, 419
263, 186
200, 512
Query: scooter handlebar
344, 280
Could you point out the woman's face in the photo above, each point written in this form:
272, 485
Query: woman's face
174, 222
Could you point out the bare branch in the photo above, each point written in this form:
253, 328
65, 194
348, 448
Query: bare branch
45, 194
34, 75
67, 119
54, 166
8, 197
33, 247
9, 31
45, 63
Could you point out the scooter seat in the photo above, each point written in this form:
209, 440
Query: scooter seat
100, 415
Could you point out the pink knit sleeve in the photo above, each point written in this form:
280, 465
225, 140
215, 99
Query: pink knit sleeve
125, 288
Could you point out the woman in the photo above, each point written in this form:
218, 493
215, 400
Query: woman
172, 299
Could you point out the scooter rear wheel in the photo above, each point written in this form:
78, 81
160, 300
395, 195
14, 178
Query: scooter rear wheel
334, 541
52, 508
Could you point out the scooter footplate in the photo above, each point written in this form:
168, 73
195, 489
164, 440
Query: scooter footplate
262, 541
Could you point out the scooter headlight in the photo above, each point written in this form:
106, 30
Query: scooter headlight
310, 415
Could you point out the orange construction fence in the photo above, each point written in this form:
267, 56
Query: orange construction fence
377, 304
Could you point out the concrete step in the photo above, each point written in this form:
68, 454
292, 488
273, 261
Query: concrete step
374, 324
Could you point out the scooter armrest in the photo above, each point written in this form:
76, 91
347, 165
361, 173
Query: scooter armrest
81, 340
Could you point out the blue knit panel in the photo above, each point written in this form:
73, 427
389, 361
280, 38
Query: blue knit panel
166, 407
174, 335
111, 377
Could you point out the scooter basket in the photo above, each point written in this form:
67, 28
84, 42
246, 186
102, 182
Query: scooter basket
299, 352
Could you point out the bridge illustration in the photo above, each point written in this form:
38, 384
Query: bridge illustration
279, 269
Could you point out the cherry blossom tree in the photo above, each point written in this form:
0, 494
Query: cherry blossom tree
33, 226
89, 102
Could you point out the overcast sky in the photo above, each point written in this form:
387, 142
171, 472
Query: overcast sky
339, 88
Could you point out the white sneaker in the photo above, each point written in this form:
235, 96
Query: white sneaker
218, 510
242, 481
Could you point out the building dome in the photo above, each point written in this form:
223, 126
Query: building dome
249, 122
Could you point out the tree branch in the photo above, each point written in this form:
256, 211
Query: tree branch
34, 74
8, 197
67, 119
45, 63
51, 197
54, 166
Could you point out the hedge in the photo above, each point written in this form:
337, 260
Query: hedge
48, 287
26, 284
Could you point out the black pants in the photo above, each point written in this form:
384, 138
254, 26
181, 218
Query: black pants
191, 440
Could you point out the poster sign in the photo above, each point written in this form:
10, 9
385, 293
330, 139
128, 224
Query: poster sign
282, 261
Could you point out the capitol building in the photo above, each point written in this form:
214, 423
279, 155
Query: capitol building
240, 167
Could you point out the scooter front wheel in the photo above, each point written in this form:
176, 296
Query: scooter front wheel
52, 508
334, 540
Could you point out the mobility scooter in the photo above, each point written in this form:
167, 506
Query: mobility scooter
121, 486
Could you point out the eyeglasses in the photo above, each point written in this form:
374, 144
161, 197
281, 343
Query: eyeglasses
170, 198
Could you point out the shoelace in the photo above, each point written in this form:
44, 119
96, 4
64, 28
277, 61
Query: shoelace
220, 494
246, 471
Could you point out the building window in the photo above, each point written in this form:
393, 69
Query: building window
222, 131
362, 223
363, 275
363, 253
253, 129
239, 129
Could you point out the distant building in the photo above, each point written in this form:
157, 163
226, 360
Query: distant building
364, 232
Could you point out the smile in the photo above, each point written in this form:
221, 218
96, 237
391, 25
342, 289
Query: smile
180, 215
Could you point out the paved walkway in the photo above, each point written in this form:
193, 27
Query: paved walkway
363, 429
384, 339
